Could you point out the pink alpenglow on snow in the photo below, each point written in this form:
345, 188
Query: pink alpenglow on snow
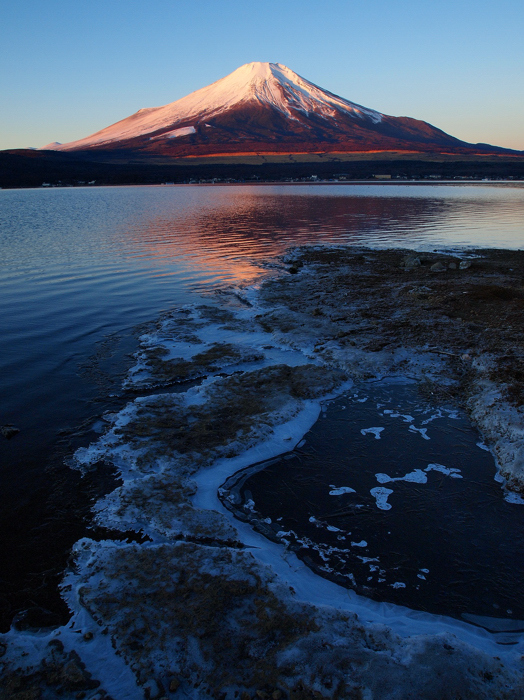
266, 108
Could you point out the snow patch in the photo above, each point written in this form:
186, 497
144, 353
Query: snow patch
175, 133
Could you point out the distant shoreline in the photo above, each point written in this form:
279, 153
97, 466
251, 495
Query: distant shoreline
279, 183
28, 168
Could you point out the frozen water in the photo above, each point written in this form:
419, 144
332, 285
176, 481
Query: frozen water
381, 494
373, 431
338, 491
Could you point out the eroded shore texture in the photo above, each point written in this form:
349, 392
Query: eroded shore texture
376, 312
190, 609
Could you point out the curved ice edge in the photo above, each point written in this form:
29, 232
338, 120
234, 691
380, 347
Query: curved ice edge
308, 586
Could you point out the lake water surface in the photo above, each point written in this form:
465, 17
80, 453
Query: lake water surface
82, 268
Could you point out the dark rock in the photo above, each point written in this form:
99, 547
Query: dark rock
411, 262
9, 431
72, 675
438, 267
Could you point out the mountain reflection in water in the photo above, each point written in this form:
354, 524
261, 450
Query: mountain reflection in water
259, 221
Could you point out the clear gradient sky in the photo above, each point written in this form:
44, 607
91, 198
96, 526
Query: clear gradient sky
71, 67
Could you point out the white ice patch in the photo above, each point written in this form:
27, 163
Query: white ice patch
316, 522
282, 534
398, 584
450, 413
381, 495
339, 490
448, 471
362, 543
373, 431
422, 431
406, 418
417, 477
322, 525
483, 446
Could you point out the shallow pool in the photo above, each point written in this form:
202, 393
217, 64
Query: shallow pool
397, 499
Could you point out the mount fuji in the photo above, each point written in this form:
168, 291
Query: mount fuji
265, 109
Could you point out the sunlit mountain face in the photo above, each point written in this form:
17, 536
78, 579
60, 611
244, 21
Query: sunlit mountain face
266, 108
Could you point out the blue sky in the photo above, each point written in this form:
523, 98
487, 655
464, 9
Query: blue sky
69, 68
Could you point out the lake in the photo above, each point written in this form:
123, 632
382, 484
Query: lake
81, 271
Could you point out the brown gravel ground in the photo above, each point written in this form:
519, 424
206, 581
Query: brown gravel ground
460, 311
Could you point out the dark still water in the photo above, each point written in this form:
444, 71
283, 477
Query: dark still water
395, 498
80, 269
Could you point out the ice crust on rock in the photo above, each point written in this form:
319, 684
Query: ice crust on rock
503, 429
514, 498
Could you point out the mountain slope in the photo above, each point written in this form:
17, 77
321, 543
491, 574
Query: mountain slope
267, 108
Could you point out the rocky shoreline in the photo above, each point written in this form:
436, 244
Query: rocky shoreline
198, 608
454, 322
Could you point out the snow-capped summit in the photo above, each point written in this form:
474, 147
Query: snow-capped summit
271, 84
263, 108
